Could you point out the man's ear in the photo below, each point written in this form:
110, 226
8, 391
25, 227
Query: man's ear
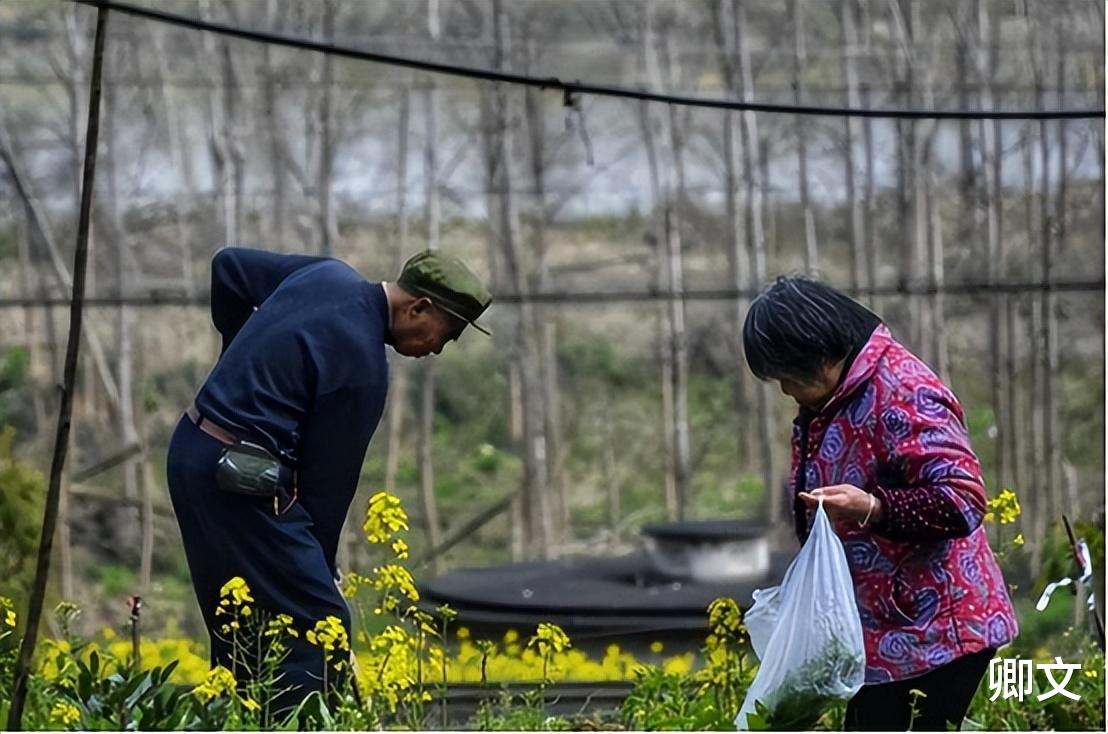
422, 306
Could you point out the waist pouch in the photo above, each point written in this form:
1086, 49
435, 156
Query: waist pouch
246, 468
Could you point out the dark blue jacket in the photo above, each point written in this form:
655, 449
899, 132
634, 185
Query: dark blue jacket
302, 371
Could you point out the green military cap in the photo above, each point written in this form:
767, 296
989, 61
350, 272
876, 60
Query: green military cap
448, 283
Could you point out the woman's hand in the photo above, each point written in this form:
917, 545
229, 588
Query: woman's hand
844, 502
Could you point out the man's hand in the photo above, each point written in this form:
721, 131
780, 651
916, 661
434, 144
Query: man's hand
844, 502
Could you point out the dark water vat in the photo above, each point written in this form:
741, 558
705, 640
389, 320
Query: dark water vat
659, 594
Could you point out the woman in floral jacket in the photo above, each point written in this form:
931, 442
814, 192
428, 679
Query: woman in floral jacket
883, 441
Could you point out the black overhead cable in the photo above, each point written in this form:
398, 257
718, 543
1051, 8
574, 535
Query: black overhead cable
570, 88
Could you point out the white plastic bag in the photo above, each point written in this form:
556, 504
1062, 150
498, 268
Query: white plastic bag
761, 618
807, 634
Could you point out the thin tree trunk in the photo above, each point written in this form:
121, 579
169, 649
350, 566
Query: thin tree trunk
908, 175
611, 482
179, 160
65, 544
972, 193
922, 244
680, 357
737, 260
1016, 439
234, 136
770, 207
556, 451
545, 315
1098, 138
1041, 470
271, 100
870, 202
399, 386
938, 277
994, 258
29, 276
1038, 499
665, 326
748, 130
125, 315
144, 471
967, 165
327, 227
145, 481
1048, 352
519, 517
738, 266
536, 495
432, 525
679, 343
37, 256
676, 198
220, 143
920, 241
858, 255
811, 249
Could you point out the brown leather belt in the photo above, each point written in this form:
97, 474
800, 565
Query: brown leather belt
205, 425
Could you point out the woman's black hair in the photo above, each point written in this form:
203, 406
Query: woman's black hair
798, 326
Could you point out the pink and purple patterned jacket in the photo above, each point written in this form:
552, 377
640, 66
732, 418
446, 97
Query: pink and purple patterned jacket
928, 587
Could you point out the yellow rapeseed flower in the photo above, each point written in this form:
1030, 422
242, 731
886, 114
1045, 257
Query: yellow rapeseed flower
329, 634
395, 576
219, 682
1018, 540
351, 582
66, 610
549, 638
391, 636
725, 618
424, 621
235, 592
679, 664
656, 647
1005, 505
280, 625
400, 548
384, 518
65, 714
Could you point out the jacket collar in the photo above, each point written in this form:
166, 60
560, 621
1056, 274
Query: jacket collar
378, 300
860, 369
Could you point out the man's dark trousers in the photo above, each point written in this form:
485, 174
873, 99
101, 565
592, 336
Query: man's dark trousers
227, 535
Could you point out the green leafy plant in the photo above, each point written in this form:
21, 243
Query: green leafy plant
523, 712
805, 696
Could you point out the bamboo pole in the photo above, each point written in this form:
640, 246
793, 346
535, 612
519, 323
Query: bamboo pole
65, 408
